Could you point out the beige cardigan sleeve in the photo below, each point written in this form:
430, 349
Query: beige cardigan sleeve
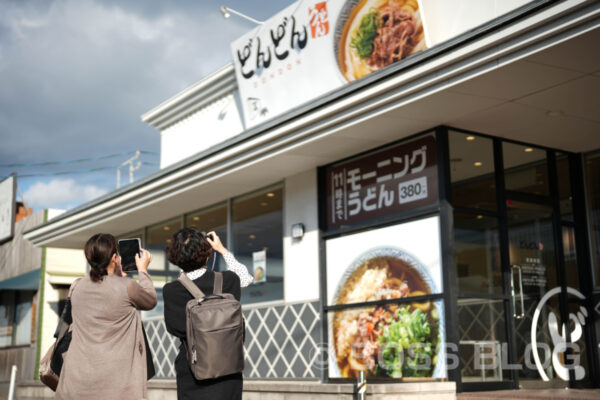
142, 293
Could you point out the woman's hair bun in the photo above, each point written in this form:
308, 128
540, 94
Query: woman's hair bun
99, 250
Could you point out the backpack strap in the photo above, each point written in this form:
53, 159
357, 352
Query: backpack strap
218, 285
191, 286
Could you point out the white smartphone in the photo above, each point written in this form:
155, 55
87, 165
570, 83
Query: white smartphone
128, 248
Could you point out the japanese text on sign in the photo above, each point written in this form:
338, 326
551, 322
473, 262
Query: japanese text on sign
388, 181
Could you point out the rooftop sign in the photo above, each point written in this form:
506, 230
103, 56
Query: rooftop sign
313, 46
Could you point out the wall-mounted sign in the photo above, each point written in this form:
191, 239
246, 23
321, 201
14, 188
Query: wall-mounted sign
7, 208
384, 264
386, 182
315, 46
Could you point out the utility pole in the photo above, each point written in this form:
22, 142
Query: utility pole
132, 168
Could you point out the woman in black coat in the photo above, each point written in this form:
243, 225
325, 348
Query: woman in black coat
189, 250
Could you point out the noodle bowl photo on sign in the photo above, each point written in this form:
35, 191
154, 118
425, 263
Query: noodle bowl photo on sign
376, 33
390, 340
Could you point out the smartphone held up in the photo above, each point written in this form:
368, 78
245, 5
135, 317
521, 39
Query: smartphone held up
128, 248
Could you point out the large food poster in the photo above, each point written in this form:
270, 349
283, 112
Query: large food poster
315, 46
392, 340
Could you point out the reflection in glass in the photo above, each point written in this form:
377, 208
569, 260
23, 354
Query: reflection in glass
258, 227
472, 171
570, 257
7, 310
482, 343
525, 169
531, 247
563, 182
388, 341
477, 253
211, 219
22, 324
156, 242
592, 186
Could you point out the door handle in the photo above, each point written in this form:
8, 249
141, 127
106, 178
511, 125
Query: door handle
513, 294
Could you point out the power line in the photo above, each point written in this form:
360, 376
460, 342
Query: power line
80, 160
81, 171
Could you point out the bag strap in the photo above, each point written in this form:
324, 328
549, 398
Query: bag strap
191, 286
218, 284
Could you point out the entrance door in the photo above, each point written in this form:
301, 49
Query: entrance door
520, 314
536, 295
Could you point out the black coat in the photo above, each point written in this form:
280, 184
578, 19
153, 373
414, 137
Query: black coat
175, 299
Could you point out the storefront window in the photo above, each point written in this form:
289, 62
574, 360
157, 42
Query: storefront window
258, 242
207, 220
15, 317
525, 169
592, 177
564, 186
7, 313
482, 335
477, 250
472, 171
156, 242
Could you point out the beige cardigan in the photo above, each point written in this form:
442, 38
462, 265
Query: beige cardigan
107, 356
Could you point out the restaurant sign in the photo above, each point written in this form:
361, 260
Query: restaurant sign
398, 178
315, 46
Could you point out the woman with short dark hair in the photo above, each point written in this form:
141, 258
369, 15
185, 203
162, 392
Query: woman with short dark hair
107, 355
190, 249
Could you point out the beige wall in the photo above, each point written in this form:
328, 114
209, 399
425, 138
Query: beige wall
301, 257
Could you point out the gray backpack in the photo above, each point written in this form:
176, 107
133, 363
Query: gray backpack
214, 331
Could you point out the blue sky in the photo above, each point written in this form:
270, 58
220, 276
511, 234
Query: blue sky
75, 76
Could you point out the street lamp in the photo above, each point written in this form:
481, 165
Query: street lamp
226, 11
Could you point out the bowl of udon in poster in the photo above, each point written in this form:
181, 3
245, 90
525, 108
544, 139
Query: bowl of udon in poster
371, 34
392, 339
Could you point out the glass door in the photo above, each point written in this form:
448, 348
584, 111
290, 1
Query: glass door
535, 294
520, 312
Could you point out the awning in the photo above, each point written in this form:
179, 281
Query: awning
27, 281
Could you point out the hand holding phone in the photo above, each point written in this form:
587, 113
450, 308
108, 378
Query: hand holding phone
142, 261
128, 249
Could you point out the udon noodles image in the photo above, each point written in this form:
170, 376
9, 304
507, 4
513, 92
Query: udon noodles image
378, 33
377, 339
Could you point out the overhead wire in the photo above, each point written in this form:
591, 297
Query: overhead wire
81, 171
79, 160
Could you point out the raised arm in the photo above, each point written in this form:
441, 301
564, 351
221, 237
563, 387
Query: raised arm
232, 264
240, 269
142, 293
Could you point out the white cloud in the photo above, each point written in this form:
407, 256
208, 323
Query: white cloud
60, 193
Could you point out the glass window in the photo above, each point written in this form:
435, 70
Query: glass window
472, 171
592, 184
482, 334
23, 310
258, 242
477, 252
525, 169
15, 317
207, 220
7, 313
564, 186
156, 242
